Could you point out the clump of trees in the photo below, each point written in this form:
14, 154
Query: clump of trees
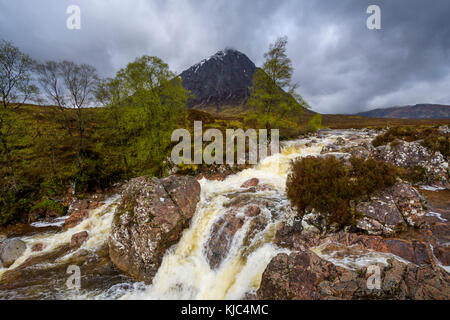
71, 145
71, 142
328, 185
145, 103
16, 87
70, 87
274, 96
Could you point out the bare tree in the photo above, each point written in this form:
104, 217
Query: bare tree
16, 80
70, 87
16, 87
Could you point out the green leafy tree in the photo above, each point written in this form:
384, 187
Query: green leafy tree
316, 122
274, 96
146, 101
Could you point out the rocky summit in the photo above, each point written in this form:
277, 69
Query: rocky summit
223, 79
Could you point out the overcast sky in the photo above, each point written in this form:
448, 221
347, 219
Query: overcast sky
341, 65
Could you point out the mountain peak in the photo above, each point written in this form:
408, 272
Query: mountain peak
223, 79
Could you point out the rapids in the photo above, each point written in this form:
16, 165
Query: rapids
185, 272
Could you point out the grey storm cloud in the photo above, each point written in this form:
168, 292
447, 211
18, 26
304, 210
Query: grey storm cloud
341, 65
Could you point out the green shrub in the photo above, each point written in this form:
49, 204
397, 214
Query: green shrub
316, 122
47, 205
11, 206
328, 185
414, 174
438, 143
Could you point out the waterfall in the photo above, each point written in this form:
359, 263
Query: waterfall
185, 272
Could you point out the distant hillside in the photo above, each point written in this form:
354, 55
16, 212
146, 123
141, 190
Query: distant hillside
419, 111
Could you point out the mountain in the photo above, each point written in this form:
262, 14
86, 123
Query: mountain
222, 80
419, 111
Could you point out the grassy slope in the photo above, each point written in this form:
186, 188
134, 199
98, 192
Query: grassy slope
32, 153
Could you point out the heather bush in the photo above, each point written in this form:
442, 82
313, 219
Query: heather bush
328, 185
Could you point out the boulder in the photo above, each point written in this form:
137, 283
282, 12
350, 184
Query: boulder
330, 148
75, 218
42, 214
409, 201
391, 210
411, 154
250, 183
225, 228
11, 250
304, 275
78, 239
340, 141
363, 151
380, 215
37, 247
150, 219
79, 211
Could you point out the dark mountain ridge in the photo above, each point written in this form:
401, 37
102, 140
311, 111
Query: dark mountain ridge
418, 111
223, 79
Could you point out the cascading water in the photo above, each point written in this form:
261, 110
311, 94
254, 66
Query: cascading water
185, 272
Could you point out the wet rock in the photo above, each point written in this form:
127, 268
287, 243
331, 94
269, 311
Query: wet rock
380, 216
291, 276
250, 183
411, 154
409, 202
314, 221
223, 232
76, 218
413, 251
218, 172
340, 141
42, 214
37, 247
391, 210
11, 250
250, 296
330, 148
24, 229
252, 210
79, 211
443, 255
304, 275
150, 219
78, 239
225, 228
360, 151
292, 236
263, 187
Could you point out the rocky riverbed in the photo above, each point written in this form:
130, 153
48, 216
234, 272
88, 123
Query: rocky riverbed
234, 235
